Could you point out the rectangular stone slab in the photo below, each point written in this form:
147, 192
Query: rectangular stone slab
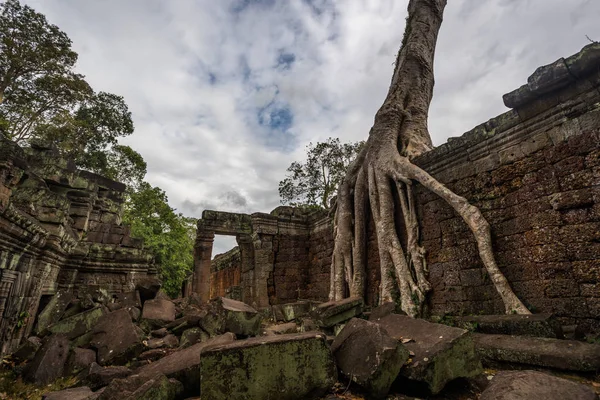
331, 313
283, 367
441, 353
78, 324
536, 325
569, 355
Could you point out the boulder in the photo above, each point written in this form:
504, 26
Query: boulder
326, 315
78, 324
533, 385
116, 338
27, 350
536, 325
542, 352
183, 365
281, 329
441, 353
53, 311
135, 387
159, 310
80, 359
384, 310
98, 376
367, 355
226, 315
49, 362
78, 393
192, 336
291, 311
167, 341
296, 366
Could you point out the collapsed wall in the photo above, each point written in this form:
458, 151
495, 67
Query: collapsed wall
60, 229
533, 171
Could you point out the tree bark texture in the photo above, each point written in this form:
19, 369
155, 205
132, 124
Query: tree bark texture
379, 184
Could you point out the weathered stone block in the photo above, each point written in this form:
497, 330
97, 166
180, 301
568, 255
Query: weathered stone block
367, 355
135, 387
78, 393
159, 310
291, 311
116, 338
28, 349
192, 336
441, 353
80, 359
49, 362
78, 324
98, 376
303, 364
331, 313
537, 325
226, 315
53, 311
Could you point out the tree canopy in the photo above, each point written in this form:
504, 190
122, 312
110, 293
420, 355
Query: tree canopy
314, 182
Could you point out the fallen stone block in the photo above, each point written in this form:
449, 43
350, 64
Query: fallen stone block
159, 310
183, 365
365, 353
116, 338
80, 359
543, 352
441, 353
28, 349
326, 315
291, 311
148, 288
129, 299
49, 362
167, 341
281, 329
296, 366
192, 336
160, 333
534, 385
384, 310
53, 311
226, 315
536, 325
98, 376
135, 387
78, 324
78, 393
153, 355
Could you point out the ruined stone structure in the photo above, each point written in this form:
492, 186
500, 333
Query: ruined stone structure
534, 171
60, 228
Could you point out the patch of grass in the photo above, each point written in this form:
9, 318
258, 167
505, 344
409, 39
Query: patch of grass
13, 387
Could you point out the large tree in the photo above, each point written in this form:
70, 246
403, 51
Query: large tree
380, 182
313, 183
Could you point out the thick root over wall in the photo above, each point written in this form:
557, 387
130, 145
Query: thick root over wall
379, 184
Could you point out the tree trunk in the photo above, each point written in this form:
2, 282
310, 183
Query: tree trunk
381, 179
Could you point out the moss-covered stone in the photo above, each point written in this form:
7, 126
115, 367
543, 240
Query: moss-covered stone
226, 315
53, 311
78, 324
283, 367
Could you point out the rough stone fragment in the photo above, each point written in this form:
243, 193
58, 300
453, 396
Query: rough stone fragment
78, 393
302, 364
308, 325
153, 355
365, 353
167, 341
192, 336
101, 376
148, 288
544, 352
28, 349
116, 338
160, 333
80, 359
159, 310
331, 313
183, 365
49, 362
441, 353
281, 329
291, 311
78, 324
129, 299
533, 385
537, 325
384, 310
135, 387
53, 311
135, 313
226, 315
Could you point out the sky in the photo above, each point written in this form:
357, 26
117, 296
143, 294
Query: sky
225, 94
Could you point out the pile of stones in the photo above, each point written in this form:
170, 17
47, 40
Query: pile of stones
143, 345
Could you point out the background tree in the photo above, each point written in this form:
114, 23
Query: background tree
168, 235
314, 182
379, 183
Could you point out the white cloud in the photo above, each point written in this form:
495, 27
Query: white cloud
198, 74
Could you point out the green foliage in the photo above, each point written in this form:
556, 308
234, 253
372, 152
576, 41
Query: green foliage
167, 234
22, 319
314, 182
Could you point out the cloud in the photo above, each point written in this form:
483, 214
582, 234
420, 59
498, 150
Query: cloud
226, 94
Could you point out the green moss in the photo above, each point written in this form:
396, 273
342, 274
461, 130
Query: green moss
13, 387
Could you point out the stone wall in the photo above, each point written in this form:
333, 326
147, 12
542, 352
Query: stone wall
60, 228
225, 274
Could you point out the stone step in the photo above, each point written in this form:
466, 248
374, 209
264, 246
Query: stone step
542, 352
